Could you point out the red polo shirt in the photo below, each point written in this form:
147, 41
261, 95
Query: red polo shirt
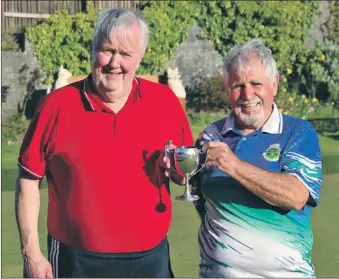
105, 192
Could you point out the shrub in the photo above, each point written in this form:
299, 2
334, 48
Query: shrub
333, 23
207, 93
315, 72
169, 22
298, 105
282, 25
13, 129
64, 39
9, 41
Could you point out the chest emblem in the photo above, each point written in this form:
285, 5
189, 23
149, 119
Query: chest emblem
272, 153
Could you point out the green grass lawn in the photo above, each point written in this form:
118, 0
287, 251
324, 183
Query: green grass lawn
183, 232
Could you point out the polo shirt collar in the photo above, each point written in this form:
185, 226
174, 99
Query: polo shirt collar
94, 103
273, 125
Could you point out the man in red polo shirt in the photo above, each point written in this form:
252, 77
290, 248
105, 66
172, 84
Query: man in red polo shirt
99, 142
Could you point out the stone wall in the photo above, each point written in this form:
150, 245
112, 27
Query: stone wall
11, 63
197, 58
319, 30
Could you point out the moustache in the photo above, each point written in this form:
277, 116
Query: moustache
248, 103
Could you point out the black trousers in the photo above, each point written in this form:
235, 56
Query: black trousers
70, 262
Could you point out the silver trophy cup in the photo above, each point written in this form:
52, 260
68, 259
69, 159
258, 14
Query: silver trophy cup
185, 161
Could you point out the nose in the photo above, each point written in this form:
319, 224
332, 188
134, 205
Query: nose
115, 61
247, 92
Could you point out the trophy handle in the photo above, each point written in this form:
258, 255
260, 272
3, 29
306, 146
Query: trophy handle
168, 142
198, 170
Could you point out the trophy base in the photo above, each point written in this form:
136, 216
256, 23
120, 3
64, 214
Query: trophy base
187, 198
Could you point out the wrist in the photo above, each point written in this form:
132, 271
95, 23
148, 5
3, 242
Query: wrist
30, 250
234, 167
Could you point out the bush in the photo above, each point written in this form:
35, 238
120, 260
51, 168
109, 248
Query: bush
9, 41
64, 39
169, 22
207, 93
315, 72
333, 23
282, 25
13, 129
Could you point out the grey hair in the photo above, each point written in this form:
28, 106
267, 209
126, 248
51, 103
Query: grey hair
242, 54
120, 20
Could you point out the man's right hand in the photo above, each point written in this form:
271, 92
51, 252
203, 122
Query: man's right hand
37, 266
165, 163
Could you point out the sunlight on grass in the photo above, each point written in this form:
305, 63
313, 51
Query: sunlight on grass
183, 234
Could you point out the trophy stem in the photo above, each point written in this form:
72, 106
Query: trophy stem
187, 194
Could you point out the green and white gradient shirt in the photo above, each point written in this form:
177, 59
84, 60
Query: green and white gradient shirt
241, 235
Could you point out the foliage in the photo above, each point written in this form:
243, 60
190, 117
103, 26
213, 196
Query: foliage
333, 23
13, 129
306, 107
326, 126
9, 41
282, 25
168, 23
64, 39
298, 105
206, 93
315, 72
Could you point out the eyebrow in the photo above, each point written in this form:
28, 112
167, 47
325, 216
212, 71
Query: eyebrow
107, 47
241, 83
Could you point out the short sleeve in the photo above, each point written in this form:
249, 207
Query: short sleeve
33, 148
302, 159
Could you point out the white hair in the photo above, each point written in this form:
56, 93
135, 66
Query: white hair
122, 21
242, 54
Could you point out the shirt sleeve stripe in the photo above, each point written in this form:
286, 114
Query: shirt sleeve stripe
29, 171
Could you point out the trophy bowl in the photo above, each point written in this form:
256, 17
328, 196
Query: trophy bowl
185, 161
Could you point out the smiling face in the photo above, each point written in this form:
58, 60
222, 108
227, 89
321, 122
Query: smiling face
115, 63
251, 94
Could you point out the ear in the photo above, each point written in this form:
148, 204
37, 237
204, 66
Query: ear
275, 85
225, 86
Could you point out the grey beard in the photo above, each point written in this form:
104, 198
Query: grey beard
249, 120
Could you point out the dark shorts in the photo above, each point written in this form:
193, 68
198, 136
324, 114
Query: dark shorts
74, 263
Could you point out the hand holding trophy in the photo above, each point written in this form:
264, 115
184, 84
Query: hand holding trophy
185, 161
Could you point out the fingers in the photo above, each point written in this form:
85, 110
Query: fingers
216, 153
212, 164
213, 144
165, 162
49, 272
38, 267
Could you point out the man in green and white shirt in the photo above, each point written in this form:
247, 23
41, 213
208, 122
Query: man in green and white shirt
262, 177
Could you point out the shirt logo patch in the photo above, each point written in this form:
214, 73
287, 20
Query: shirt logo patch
272, 153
